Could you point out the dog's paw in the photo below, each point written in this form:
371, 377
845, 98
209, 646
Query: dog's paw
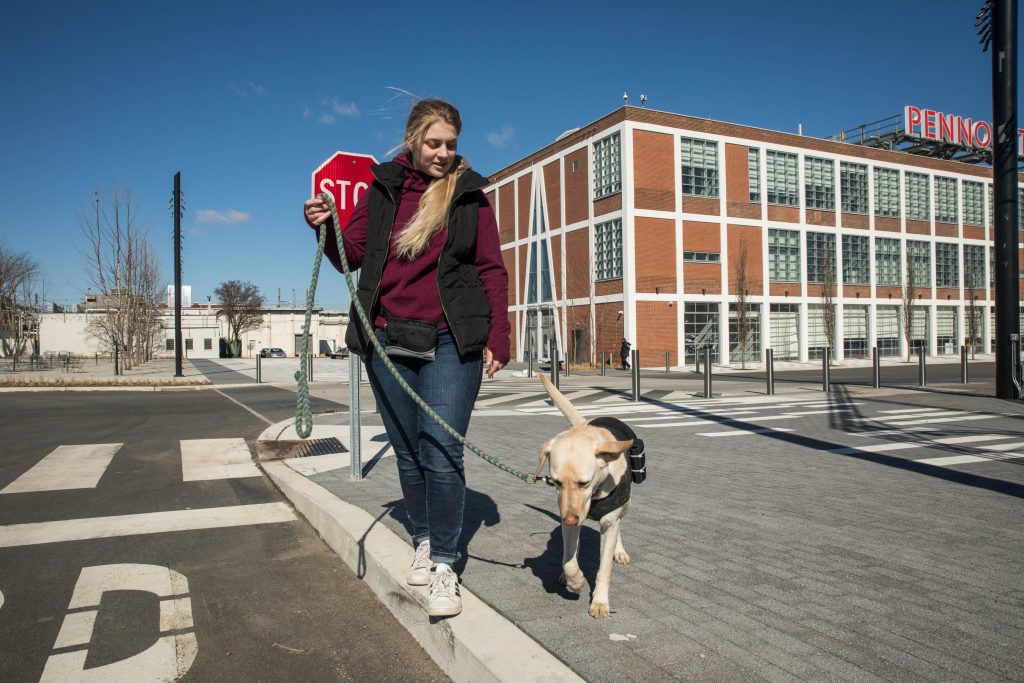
621, 558
574, 584
598, 610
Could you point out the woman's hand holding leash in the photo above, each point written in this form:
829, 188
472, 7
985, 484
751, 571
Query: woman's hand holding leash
317, 211
492, 365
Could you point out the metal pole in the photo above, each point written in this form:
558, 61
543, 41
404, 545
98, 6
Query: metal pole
177, 275
529, 371
354, 376
602, 363
553, 353
636, 375
707, 371
697, 353
567, 364
310, 367
921, 375
876, 368
259, 368
1004, 171
117, 370
769, 375
666, 362
826, 379
963, 365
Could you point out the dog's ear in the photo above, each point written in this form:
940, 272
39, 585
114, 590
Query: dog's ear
545, 451
609, 450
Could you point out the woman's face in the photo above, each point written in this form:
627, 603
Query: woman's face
436, 151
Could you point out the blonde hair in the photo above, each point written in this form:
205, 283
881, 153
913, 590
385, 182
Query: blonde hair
435, 203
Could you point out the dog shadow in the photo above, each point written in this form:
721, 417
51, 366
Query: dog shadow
480, 511
548, 565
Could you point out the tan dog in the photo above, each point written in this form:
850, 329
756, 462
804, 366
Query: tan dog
587, 463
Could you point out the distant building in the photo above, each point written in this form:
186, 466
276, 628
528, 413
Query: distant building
633, 226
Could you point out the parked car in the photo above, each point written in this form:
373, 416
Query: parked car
341, 352
273, 353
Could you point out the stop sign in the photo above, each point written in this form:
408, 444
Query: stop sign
346, 176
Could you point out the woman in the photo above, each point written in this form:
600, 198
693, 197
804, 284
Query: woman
427, 243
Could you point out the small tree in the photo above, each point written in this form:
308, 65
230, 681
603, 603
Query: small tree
973, 312
125, 271
742, 284
18, 274
909, 297
241, 304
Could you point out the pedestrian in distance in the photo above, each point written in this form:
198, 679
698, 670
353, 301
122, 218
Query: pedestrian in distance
624, 353
434, 285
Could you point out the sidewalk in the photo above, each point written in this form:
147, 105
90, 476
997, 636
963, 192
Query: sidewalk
100, 373
781, 562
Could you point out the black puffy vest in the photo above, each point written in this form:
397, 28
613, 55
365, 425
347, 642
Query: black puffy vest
462, 296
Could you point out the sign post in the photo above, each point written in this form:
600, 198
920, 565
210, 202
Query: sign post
346, 177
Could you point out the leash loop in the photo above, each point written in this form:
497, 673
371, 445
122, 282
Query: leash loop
303, 415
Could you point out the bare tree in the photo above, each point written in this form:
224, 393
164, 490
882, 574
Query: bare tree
19, 274
971, 274
828, 296
742, 286
909, 297
241, 304
125, 271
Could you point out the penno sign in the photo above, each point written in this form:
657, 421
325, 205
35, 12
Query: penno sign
346, 176
951, 128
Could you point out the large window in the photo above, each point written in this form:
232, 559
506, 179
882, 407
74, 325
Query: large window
608, 249
699, 162
783, 255
974, 266
945, 331
887, 330
607, 166
945, 200
974, 203
855, 331
918, 197
817, 332
820, 183
700, 324
919, 254
782, 179
887, 192
853, 183
947, 264
856, 260
888, 270
785, 323
754, 174
821, 257
750, 350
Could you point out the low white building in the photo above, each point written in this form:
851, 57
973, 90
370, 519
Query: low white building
202, 332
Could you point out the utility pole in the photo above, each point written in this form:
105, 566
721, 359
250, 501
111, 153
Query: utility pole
177, 275
998, 22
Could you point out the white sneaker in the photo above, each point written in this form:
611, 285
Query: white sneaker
444, 600
418, 573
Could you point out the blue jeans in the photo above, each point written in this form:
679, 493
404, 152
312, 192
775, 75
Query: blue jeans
430, 466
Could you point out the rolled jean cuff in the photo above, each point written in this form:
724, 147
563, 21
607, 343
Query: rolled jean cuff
444, 558
419, 538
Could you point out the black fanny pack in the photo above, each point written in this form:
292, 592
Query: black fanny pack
410, 338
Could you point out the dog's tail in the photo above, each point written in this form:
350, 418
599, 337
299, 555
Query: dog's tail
563, 404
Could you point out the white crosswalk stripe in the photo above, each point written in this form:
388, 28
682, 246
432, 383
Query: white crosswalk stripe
65, 468
204, 459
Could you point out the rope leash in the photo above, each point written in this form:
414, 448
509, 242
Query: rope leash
303, 414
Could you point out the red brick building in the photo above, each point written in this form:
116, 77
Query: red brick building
647, 225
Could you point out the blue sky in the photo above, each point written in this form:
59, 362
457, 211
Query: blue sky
246, 99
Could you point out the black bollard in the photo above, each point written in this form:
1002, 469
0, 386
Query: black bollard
963, 365
876, 368
636, 375
707, 371
921, 372
826, 378
769, 372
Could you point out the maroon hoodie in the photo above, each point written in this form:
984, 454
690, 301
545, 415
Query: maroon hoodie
408, 289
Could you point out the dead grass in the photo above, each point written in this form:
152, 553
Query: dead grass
72, 382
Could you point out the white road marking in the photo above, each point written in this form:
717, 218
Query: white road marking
744, 432
890, 432
37, 533
571, 396
66, 467
770, 418
503, 398
934, 420
242, 405
886, 447
913, 410
168, 659
967, 459
204, 459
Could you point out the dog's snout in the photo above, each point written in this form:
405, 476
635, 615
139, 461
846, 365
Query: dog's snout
571, 520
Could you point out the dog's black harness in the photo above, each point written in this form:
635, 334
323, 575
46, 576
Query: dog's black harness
637, 468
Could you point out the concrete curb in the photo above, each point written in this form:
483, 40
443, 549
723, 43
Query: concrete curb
477, 645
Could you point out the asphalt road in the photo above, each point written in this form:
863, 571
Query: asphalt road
137, 573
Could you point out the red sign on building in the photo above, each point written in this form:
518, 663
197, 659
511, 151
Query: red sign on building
346, 176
